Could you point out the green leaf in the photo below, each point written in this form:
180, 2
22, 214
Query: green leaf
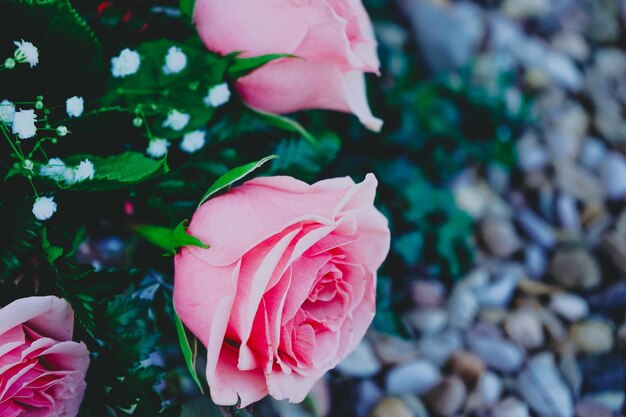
186, 8
283, 123
119, 171
52, 252
169, 239
186, 349
234, 175
244, 66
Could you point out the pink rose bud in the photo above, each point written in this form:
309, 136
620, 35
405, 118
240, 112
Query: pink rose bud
332, 39
42, 371
287, 289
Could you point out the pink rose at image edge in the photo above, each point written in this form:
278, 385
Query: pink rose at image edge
287, 289
333, 41
43, 369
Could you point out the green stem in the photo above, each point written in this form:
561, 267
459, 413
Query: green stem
145, 122
139, 91
101, 110
5, 132
38, 145
33, 186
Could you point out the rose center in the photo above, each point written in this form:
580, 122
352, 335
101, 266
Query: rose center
329, 299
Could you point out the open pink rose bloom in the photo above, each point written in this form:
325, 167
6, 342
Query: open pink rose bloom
42, 370
333, 41
287, 289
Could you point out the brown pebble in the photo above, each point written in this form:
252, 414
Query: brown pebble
447, 397
467, 366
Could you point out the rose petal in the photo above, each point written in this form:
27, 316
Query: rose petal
10, 409
11, 339
250, 289
229, 383
359, 30
318, 86
292, 387
262, 209
67, 356
49, 316
260, 26
327, 40
203, 298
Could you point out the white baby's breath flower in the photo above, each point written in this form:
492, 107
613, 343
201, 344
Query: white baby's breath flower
54, 169
26, 52
157, 148
176, 120
84, 170
175, 61
7, 112
126, 63
218, 95
74, 106
58, 171
24, 124
193, 141
44, 208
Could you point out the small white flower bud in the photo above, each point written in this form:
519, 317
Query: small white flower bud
61, 130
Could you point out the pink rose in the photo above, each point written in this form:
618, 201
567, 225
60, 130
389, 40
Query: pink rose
287, 289
42, 371
333, 39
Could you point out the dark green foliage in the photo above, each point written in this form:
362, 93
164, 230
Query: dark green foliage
453, 123
387, 320
18, 229
444, 230
201, 407
69, 52
303, 159
121, 385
